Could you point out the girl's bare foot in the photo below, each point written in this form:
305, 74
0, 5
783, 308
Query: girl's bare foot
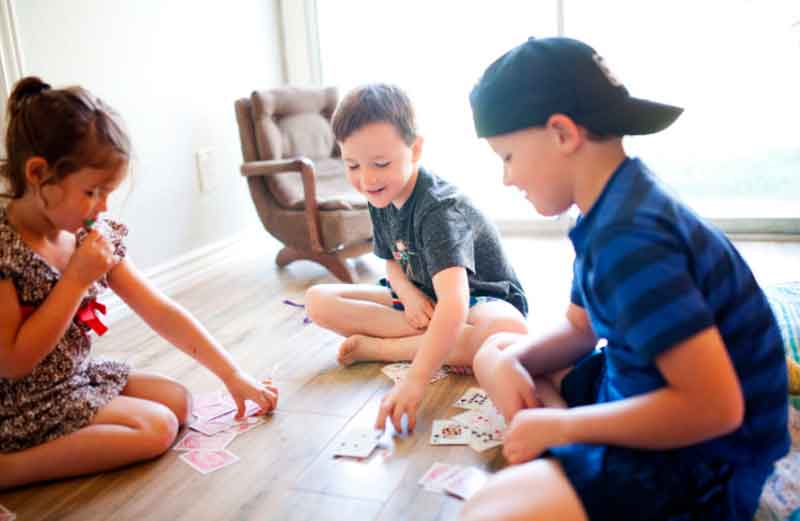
359, 348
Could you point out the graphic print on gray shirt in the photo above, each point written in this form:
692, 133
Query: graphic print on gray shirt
438, 227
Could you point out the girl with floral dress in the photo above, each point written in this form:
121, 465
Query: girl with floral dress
63, 413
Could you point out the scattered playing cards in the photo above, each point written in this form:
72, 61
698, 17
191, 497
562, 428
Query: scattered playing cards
358, 443
481, 426
434, 479
216, 427
397, 372
6, 514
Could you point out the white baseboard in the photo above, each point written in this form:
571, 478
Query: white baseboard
181, 272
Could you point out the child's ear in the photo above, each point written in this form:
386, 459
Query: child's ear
416, 149
566, 131
36, 171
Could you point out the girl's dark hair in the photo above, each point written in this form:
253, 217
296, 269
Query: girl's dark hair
375, 103
70, 128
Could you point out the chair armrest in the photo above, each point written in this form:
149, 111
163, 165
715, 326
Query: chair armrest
306, 168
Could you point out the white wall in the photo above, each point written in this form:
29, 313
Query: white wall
173, 70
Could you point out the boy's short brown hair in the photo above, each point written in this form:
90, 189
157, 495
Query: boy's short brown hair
375, 103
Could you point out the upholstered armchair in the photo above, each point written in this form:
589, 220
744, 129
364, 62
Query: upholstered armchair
297, 180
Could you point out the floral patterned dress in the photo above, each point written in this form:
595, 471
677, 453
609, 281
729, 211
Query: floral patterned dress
64, 391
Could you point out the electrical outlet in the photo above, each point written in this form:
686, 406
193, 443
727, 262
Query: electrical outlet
208, 175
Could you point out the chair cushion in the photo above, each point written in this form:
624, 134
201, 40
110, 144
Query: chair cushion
334, 191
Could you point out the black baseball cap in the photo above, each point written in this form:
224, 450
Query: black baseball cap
547, 76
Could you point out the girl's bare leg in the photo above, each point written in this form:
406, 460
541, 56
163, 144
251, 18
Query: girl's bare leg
125, 431
139, 424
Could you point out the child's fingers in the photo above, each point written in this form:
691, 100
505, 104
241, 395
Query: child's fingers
383, 412
239, 408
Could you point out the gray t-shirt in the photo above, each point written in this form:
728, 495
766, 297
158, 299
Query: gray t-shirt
438, 228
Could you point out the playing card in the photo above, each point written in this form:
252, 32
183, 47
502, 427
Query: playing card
435, 477
199, 442
6, 514
244, 425
358, 443
229, 418
465, 483
206, 461
397, 372
209, 428
449, 432
486, 428
474, 398
214, 410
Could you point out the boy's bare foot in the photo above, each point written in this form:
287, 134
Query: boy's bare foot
358, 348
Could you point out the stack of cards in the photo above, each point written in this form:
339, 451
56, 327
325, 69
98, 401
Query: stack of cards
481, 426
397, 372
456, 480
6, 514
216, 426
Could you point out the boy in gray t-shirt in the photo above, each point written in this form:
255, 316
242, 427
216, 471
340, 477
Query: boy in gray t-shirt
449, 285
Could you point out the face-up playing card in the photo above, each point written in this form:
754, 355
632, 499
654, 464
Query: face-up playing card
449, 432
486, 428
358, 443
206, 461
465, 483
474, 398
6, 514
199, 442
435, 477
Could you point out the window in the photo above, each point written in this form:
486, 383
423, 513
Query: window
734, 153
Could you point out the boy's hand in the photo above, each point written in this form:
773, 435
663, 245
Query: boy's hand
508, 383
418, 308
91, 260
244, 387
404, 398
532, 432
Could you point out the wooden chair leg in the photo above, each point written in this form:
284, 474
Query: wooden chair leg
333, 263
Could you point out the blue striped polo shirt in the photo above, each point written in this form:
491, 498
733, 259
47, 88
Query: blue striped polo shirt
651, 274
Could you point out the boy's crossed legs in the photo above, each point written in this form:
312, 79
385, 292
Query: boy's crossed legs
139, 424
376, 331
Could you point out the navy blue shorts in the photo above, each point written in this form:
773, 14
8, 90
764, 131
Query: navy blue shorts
396, 304
616, 483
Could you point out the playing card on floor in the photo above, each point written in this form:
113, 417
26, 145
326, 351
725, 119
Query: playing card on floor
198, 442
209, 428
449, 432
207, 461
466, 483
398, 370
435, 477
474, 398
358, 443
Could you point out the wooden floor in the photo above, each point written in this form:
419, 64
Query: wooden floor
286, 470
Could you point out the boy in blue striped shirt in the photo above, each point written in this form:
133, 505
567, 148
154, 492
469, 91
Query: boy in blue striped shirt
684, 411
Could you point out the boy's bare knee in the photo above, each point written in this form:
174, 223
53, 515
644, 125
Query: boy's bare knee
507, 325
318, 300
